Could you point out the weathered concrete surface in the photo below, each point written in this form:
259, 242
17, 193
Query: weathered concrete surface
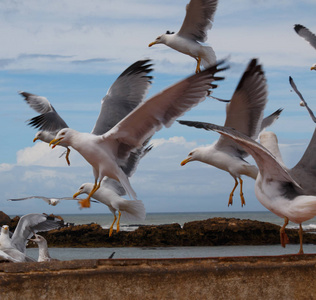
275, 277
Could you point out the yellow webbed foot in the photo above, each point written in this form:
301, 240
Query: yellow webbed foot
84, 203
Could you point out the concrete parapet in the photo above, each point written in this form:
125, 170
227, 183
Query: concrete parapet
269, 277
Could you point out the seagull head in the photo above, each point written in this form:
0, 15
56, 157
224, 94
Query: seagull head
38, 136
5, 229
64, 135
84, 189
191, 157
38, 239
161, 39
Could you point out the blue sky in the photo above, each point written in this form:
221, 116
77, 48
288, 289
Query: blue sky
71, 51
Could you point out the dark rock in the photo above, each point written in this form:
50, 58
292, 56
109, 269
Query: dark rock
211, 232
4, 219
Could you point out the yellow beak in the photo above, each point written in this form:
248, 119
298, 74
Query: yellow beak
55, 142
151, 44
313, 68
76, 195
185, 161
35, 139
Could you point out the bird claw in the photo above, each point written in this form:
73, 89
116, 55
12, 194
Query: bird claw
85, 203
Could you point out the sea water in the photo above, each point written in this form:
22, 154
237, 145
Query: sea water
105, 220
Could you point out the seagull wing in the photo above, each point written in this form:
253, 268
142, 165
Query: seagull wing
113, 185
31, 197
245, 110
160, 110
269, 120
129, 89
198, 19
305, 170
30, 224
293, 85
48, 119
305, 33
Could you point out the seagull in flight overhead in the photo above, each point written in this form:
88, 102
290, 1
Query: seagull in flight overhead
105, 152
244, 112
303, 102
49, 201
49, 121
198, 20
310, 37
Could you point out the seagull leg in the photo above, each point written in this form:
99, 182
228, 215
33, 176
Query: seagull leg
230, 201
111, 228
283, 236
300, 233
86, 202
198, 70
243, 202
67, 156
118, 222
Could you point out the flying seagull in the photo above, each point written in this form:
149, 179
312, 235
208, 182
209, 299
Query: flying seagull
244, 112
104, 152
303, 102
110, 193
290, 194
308, 36
49, 201
198, 20
49, 121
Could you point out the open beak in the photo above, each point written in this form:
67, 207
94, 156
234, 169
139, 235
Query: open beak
153, 43
185, 161
55, 142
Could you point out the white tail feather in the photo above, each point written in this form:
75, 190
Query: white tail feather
134, 210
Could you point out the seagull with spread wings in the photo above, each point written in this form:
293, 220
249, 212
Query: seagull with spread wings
198, 20
49, 121
105, 152
288, 193
245, 113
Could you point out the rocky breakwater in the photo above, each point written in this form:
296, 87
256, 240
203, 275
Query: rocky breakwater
211, 232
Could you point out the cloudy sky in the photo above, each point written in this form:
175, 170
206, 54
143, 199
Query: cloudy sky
71, 51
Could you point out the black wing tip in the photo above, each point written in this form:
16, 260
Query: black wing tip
140, 66
298, 27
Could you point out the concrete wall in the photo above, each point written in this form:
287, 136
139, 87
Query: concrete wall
276, 277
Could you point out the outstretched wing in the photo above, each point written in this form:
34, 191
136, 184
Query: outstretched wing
198, 19
305, 33
48, 119
129, 89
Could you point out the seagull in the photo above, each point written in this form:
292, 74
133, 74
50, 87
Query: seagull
27, 226
310, 37
49, 121
198, 19
303, 102
124, 95
290, 194
43, 254
105, 152
110, 193
244, 113
50, 201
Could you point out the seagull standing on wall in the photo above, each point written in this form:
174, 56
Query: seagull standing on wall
198, 20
